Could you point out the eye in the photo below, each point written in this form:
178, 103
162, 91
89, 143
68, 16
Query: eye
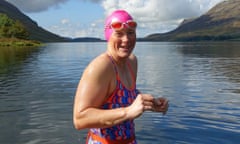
131, 32
118, 33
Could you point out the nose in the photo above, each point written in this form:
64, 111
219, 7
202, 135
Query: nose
125, 37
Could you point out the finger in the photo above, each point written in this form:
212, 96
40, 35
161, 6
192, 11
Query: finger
147, 103
162, 102
148, 108
157, 102
165, 104
162, 109
147, 97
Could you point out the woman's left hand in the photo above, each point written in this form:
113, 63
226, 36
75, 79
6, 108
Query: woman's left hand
160, 105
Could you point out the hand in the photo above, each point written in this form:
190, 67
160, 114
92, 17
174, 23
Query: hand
142, 103
160, 105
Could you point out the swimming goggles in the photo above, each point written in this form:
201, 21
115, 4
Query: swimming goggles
119, 25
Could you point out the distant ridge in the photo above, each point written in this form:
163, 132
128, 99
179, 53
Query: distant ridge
36, 32
222, 22
86, 39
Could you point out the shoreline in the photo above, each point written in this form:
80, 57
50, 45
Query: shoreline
13, 42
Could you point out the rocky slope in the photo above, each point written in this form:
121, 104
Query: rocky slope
222, 22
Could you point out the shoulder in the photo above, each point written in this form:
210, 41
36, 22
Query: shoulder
133, 60
99, 66
133, 63
101, 61
95, 81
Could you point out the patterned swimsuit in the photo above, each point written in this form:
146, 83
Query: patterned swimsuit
122, 133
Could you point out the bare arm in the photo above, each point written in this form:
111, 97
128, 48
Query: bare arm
93, 89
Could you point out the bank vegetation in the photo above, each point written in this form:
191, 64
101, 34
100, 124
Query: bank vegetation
13, 33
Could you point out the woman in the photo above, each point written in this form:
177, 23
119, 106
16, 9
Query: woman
107, 100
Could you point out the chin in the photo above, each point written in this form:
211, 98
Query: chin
124, 55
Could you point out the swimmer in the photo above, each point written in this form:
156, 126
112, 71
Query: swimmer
107, 100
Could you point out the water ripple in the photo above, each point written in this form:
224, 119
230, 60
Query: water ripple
201, 81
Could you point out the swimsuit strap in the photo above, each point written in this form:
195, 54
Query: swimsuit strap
116, 71
131, 71
115, 67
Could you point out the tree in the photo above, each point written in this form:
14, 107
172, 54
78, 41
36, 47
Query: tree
20, 31
10, 28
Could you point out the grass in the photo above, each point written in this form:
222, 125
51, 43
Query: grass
13, 42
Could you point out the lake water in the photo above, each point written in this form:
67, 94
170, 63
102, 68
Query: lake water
201, 80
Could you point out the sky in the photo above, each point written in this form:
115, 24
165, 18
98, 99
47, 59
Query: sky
85, 18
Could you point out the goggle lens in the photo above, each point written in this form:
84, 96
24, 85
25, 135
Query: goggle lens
116, 25
132, 24
120, 25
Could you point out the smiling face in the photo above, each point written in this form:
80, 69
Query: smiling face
119, 16
122, 42
120, 32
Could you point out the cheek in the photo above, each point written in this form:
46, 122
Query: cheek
132, 37
132, 40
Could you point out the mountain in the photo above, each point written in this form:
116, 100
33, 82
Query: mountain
36, 32
86, 39
222, 22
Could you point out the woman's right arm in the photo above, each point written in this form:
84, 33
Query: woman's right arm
94, 87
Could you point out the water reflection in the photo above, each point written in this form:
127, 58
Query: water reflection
201, 80
210, 49
221, 58
14, 55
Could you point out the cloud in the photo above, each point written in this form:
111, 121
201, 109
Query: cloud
65, 21
34, 6
73, 30
31, 6
159, 15
164, 10
153, 16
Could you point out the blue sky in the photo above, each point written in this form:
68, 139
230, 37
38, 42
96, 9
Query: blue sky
85, 18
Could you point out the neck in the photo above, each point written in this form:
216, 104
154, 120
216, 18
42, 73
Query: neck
121, 62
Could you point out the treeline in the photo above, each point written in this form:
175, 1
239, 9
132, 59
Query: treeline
10, 28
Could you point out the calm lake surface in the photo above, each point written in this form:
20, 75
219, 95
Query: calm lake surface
201, 80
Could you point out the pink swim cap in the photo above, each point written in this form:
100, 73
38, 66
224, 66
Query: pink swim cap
118, 15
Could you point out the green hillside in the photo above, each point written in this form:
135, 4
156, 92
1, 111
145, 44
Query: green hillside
35, 32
